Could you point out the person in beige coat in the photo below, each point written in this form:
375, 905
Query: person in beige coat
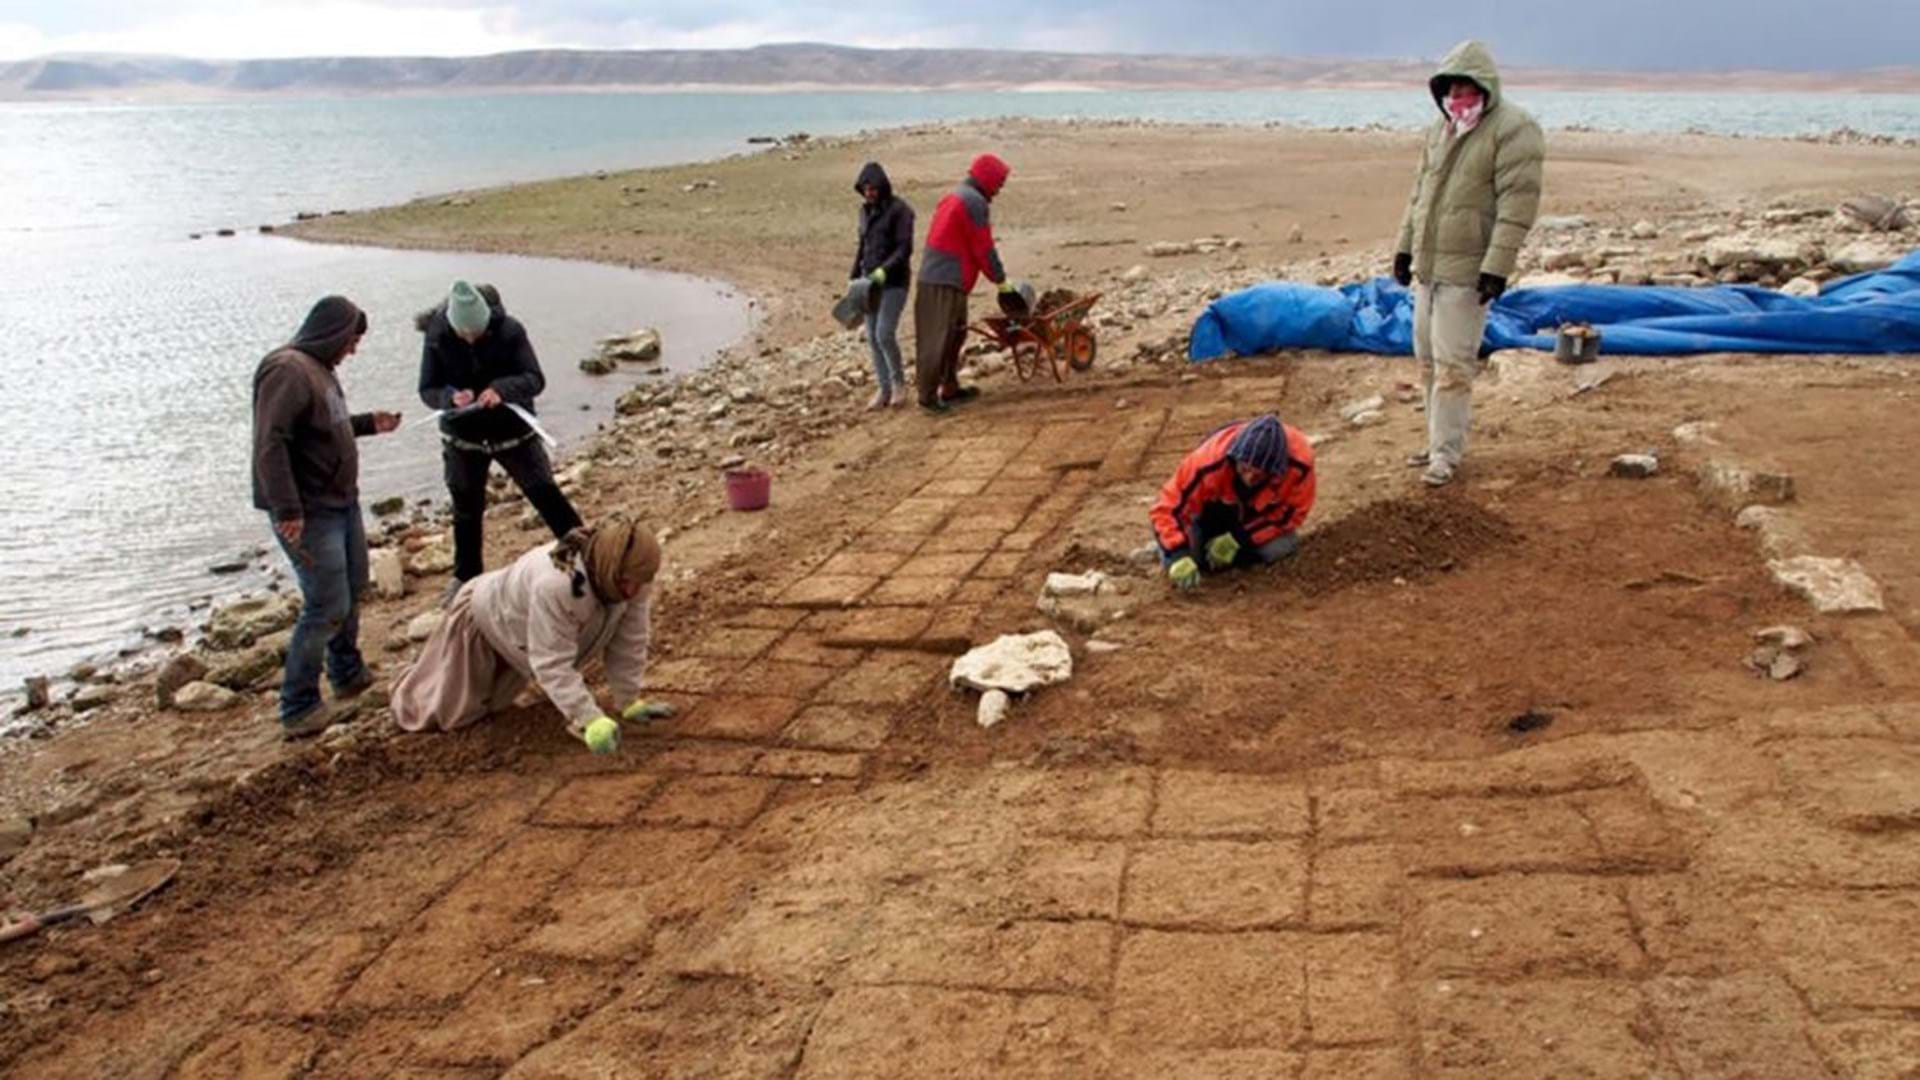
1475, 196
541, 619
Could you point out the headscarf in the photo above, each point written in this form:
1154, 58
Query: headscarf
600, 558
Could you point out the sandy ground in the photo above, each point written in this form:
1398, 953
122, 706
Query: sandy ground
1479, 786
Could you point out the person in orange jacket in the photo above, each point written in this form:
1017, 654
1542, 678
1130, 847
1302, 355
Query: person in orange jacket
1238, 499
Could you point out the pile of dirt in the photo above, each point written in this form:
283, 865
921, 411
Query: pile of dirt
1054, 298
1406, 539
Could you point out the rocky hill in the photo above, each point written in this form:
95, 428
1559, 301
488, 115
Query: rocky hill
93, 76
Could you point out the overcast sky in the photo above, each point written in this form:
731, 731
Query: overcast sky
1794, 34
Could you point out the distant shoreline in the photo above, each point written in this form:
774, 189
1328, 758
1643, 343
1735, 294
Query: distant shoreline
188, 95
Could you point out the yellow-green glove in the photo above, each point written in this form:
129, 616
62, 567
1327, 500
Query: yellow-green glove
879, 276
602, 735
1222, 550
1008, 286
1184, 573
642, 709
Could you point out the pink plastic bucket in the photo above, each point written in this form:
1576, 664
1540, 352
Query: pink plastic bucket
749, 489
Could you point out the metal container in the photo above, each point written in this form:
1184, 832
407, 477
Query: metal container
1577, 343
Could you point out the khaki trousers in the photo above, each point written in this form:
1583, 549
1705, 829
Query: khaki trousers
1448, 322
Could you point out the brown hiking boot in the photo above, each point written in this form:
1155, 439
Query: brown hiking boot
316, 720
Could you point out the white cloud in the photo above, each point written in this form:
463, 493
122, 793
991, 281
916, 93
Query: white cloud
281, 29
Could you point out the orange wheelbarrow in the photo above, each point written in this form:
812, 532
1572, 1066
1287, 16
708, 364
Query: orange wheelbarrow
1056, 337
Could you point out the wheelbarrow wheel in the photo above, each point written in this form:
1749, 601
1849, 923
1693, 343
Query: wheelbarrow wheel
1081, 348
1026, 359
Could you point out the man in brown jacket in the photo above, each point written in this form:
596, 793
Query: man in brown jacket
306, 476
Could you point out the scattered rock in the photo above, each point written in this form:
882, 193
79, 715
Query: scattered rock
1865, 257
15, 834
177, 672
1086, 601
1645, 230
435, 558
389, 506
39, 692
1697, 433
202, 697
1561, 223
95, 696
388, 573
1781, 536
1117, 207
1134, 275
1167, 248
424, 624
1369, 418
243, 622
1775, 663
1296, 235
1353, 410
1804, 287
641, 346
1634, 466
1096, 647
1785, 637
598, 365
243, 671
1015, 663
231, 566
1562, 259
1875, 212
1736, 488
993, 708
1833, 586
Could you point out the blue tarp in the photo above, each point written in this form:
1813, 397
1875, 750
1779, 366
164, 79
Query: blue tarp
1867, 313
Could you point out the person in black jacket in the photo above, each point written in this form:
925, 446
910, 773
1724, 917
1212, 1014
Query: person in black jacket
883, 256
474, 363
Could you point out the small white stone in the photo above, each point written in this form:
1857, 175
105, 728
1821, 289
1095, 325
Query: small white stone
993, 708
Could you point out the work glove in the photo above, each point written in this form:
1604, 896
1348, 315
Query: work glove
642, 709
1008, 286
1491, 286
1184, 573
1403, 269
878, 277
1222, 550
602, 735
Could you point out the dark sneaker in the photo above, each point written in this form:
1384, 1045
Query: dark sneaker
959, 394
936, 408
359, 685
315, 720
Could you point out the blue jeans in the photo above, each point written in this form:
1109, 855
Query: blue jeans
883, 341
330, 563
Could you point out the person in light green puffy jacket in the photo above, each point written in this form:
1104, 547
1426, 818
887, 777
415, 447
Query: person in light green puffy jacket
1474, 198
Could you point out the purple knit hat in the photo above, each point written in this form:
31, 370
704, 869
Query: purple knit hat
1262, 443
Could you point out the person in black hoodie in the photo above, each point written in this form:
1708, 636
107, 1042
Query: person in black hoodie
883, 256
475, 361
306, 476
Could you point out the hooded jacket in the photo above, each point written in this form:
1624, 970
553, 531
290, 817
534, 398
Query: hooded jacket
960, 239
503, 358
1207, 486
304, 455
1475, 195
886, 231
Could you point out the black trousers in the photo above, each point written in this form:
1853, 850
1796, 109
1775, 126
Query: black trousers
531, 471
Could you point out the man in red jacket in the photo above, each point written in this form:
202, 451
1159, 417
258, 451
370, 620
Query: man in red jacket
1237, 500
959, 249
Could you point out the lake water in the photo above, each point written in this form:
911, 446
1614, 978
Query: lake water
126, 349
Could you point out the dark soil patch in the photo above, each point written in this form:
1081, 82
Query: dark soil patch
1397, 538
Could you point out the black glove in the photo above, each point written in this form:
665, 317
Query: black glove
1403, 269
1491, 287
